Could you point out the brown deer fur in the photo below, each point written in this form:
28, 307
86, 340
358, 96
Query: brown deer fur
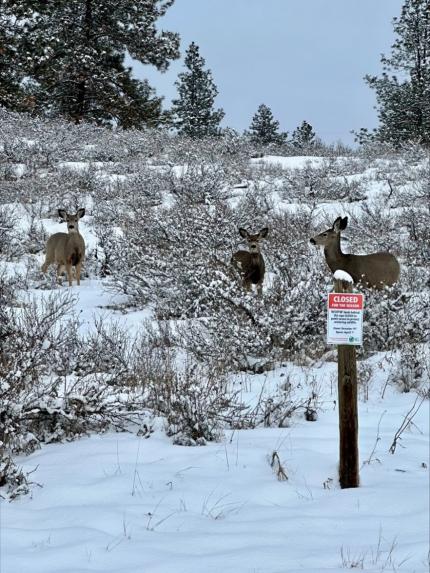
250, 264
376, 270
67, 250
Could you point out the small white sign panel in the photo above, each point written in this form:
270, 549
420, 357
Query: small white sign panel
345, 318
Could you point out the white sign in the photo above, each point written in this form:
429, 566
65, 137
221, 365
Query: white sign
345, 318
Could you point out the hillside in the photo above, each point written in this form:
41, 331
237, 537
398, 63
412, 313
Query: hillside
106, 386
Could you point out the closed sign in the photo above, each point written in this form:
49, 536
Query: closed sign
345, 318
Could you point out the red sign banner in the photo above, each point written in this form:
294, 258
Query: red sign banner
339, 301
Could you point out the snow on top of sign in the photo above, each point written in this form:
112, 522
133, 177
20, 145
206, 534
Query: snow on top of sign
343, 276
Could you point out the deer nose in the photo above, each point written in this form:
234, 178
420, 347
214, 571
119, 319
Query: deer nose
312, 241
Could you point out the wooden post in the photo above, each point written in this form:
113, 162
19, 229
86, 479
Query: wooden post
348, 407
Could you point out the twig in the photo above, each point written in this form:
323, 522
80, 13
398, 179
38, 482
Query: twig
378, 438
275, 464
406, 422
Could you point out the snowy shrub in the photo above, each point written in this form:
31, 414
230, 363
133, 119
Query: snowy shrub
364, 379
51, 389
229, 150
107, 349
414, 243
38, 340
35, 237
393, 317
322, 182
247, 333
164, 255
9, 245
196, 403
7, 299
275, 410
199, 183
413, 369
12, 478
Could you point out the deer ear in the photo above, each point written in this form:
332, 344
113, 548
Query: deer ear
336, 225
343, 223
263, 232
243, 232
80, 213
62, 213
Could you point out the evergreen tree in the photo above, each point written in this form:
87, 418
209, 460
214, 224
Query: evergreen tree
73, 51
193, 112
404, 102
264, 128
11, 93
303, 136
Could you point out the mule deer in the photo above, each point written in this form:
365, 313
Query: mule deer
66, 249
376, 271
250, 264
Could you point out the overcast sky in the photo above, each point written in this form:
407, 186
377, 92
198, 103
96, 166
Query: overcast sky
305, 59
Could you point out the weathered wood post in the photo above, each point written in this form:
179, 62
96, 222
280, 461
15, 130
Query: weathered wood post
348, 406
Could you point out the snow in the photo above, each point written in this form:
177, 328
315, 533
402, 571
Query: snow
119, 503
80, 165
300, 161
123, 504
343, 276
294, 162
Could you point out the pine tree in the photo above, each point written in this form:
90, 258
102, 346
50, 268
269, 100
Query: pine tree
404, 102
303, 136
11, 74
73, 51
264, 128
193, 112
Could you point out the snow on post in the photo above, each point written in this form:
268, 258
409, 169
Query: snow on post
343, 276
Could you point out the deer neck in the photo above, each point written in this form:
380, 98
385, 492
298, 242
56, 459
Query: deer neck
334, 256
255, 257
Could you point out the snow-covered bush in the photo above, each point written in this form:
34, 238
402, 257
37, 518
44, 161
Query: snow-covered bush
8, 240
394, 317
49, 392
413, 369
196, 403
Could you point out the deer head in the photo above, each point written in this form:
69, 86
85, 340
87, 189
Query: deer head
71, 220
331, 236
253, 240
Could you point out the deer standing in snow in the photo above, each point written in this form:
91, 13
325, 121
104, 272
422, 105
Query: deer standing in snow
67, 250
376, 270
250, 264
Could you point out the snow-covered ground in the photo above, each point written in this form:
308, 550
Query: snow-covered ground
120, 503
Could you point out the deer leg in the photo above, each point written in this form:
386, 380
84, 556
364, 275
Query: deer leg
260, 290
60, 270
46, 265
247, 285
78, 273
69, 273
